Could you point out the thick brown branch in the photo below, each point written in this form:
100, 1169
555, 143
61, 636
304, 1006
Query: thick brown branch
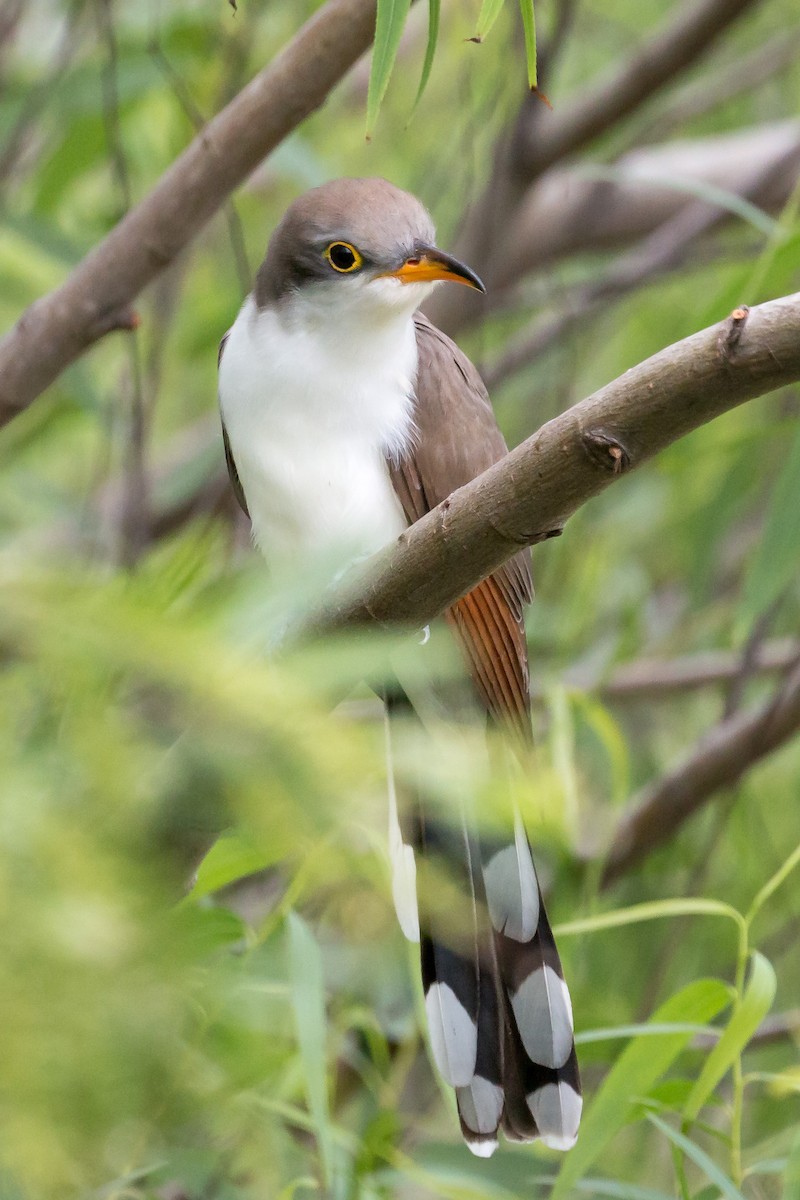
720, 760
58, 328
532, 492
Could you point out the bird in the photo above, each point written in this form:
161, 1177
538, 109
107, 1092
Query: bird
346, 417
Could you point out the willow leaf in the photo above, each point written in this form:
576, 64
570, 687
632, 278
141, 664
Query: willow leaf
388, 30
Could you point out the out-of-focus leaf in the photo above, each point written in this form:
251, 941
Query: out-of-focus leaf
391, 18
562, 743
308, 1001
745, 1019
618, 1190
84, 147
781, 1083
775, 560
609, 734
637, 1069
791, 1183
698, 1156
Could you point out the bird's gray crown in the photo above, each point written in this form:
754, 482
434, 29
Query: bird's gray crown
381, 221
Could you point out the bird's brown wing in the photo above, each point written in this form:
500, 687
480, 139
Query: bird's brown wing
233, 474
458, 438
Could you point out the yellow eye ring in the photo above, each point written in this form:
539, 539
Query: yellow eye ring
343, 257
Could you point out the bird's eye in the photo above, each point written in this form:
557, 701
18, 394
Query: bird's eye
343, 257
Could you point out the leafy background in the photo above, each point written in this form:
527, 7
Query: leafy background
259, 1035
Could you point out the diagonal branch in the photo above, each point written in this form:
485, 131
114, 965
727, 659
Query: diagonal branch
96, 298
530, 494
719, 761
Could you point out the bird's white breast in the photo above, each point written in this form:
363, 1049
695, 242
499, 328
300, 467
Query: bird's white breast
311, 412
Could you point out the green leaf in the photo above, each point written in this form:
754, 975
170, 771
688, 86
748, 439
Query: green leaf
434, 11
774, 563
233, 856
388, 30
745, 1019
637, 1069
308, 1003
490, 11
529, 26
699, 1157
609, 734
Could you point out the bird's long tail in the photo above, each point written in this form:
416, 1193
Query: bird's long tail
498, 1009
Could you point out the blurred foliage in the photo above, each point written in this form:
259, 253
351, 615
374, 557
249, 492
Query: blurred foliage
163, 1038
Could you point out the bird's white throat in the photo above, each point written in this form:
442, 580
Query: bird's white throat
312, 407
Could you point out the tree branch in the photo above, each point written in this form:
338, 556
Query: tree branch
671, 50
742, 76
530, 494
96, 298
654, 679
539, 140
666, 248
720, 760
570, 212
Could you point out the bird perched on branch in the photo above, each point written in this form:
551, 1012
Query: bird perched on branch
347, 416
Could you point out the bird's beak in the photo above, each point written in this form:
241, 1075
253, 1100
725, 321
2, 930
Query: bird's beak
428, 264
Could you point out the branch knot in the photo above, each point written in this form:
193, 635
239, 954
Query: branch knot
731, 332
606, 450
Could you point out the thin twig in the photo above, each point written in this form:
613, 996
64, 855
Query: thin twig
198, 120
134, 519
37, 98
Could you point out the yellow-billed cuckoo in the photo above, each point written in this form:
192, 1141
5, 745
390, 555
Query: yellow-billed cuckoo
346, 416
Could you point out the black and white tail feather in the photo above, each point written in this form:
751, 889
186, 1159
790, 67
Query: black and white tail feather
498, 1009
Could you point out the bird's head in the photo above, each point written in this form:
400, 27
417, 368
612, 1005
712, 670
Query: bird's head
357, 245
